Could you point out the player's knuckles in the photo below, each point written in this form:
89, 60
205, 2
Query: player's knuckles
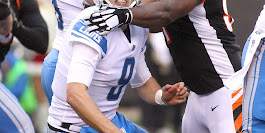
95, 14
182, 100
87, 22
185, 94
183, 90
181, 84
106, 12
92, 28
166, 87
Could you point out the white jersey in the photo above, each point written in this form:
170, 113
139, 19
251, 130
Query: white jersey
118, 66
66, 11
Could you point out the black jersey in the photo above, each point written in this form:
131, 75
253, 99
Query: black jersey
29, 27
203, 45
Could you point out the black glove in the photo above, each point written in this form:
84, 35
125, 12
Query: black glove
4, 9
107, 19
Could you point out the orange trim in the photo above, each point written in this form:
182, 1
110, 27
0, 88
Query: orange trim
18, 4
202, 1
235, 93
238, 102
167, 35
238, 122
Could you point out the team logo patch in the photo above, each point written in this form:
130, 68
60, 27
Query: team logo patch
80, 31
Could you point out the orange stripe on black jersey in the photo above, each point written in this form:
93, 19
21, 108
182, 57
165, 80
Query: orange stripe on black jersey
166, 34
18, 4
237, 111
238, 102
235, 93
202, 1
238, 124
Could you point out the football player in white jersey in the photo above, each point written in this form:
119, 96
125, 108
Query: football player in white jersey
201, 40
66, 11
92, 73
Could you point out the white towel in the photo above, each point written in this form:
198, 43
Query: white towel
235, 81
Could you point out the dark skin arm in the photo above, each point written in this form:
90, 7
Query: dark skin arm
161, 13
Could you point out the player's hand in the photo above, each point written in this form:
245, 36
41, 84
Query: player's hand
174, 94
107, 19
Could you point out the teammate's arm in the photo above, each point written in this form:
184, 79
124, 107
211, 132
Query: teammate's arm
31, 29
80, 74
161, 13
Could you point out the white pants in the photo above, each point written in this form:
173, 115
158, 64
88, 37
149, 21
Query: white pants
209, 113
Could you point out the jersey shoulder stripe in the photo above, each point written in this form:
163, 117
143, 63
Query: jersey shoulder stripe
79, 32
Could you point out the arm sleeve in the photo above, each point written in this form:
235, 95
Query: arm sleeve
142, 73
31, 29
83, 64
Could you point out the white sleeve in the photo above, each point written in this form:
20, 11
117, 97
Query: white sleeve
142, 73
160, 50
260, 24
83, 64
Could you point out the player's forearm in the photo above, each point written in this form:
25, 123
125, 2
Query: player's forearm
148, 90
161, 13
87, 110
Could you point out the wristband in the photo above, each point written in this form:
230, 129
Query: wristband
158, 97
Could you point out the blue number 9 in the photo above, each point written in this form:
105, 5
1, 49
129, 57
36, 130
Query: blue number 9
58, 15
129, 63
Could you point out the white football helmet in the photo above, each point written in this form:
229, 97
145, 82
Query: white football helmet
133, 3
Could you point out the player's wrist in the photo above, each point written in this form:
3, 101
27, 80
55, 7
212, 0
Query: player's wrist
124, 16
130, 18
158, 97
